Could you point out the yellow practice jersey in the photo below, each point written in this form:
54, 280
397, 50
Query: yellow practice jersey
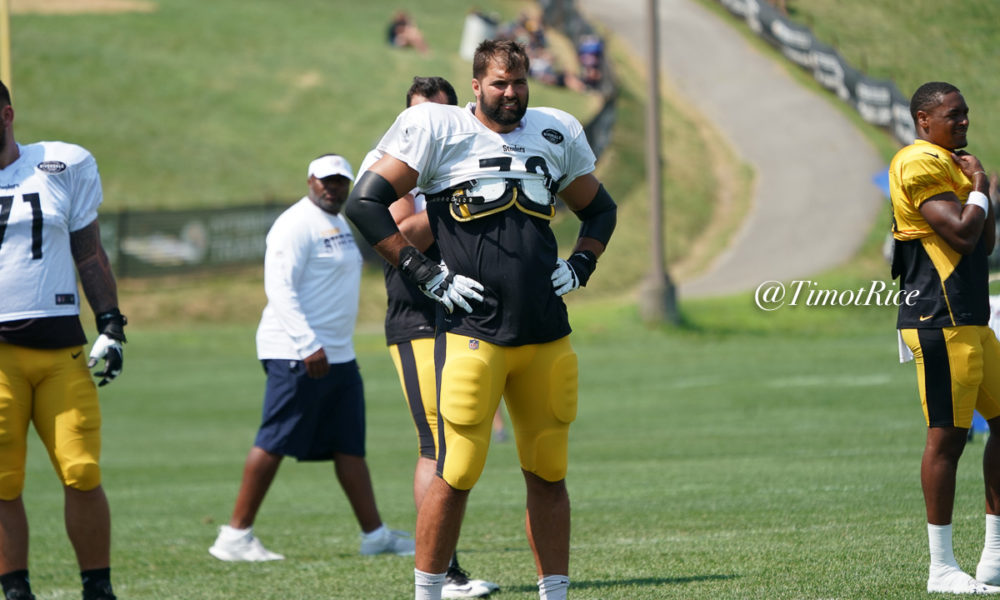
952, 289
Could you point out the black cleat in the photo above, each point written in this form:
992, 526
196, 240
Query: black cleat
100, 591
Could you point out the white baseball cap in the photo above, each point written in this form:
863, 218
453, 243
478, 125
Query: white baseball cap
329, 165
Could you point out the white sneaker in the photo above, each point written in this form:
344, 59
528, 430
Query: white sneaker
387, 541
458, 585
956, 581
988, 570
237, 545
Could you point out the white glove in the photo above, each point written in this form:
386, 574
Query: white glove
452, 290
111, 351
573, 273
564, 278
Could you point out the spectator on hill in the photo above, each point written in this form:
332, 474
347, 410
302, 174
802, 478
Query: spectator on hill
404, 33
530, 33
591, 54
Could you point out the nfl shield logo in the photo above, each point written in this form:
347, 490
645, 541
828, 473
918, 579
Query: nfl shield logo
473, 344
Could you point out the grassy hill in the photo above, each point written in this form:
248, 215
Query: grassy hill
225, 102
909, 42
914, 41
195, 104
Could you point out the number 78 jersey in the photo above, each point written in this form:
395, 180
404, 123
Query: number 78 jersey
494, 225
51, 189
448, 146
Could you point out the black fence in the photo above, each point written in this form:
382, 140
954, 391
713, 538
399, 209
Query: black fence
878, 101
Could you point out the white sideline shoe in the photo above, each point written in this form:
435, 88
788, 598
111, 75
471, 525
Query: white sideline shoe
956, 581
458, 585
988, 570
388, 541
240, 545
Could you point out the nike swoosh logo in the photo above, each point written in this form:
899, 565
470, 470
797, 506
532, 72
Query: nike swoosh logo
922, 318
74, 355
932, 154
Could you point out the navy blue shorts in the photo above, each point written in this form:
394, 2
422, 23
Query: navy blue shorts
311, 419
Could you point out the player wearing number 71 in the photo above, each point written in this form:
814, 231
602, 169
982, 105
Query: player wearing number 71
491, 172
49, 194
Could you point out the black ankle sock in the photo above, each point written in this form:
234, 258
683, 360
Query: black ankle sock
96, 579
15, 580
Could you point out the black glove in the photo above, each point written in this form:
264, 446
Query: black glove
437, 282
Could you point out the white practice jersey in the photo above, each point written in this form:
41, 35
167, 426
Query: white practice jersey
52, 189
447, 145
312, 277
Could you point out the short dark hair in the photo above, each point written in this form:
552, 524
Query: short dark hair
429, 87
928, 96
507, 53
4, 95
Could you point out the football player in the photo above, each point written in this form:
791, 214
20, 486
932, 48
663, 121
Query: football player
409, 332
943, 239
491, 172
49, 194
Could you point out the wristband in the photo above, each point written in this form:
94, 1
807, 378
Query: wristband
416, 266
583, 262
112, 324
977, 198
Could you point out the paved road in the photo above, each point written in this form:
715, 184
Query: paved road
814, 200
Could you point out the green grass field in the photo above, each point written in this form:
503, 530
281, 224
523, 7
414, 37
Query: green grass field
744, 455
759, 455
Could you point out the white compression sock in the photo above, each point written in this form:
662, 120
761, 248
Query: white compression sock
988, 569
427, 585
992, 535
942, 554
553, 587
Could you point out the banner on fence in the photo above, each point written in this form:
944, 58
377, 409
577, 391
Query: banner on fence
878, 101
142, 243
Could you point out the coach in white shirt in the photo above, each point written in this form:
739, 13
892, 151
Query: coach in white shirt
314, 401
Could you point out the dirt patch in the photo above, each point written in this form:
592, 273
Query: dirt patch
73, 7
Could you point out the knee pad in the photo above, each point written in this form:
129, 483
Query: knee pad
465, 412
83, 476
551, 454
565, 388
546, 452
465, 391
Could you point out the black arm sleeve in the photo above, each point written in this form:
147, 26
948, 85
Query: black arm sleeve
368, 207
599, 217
